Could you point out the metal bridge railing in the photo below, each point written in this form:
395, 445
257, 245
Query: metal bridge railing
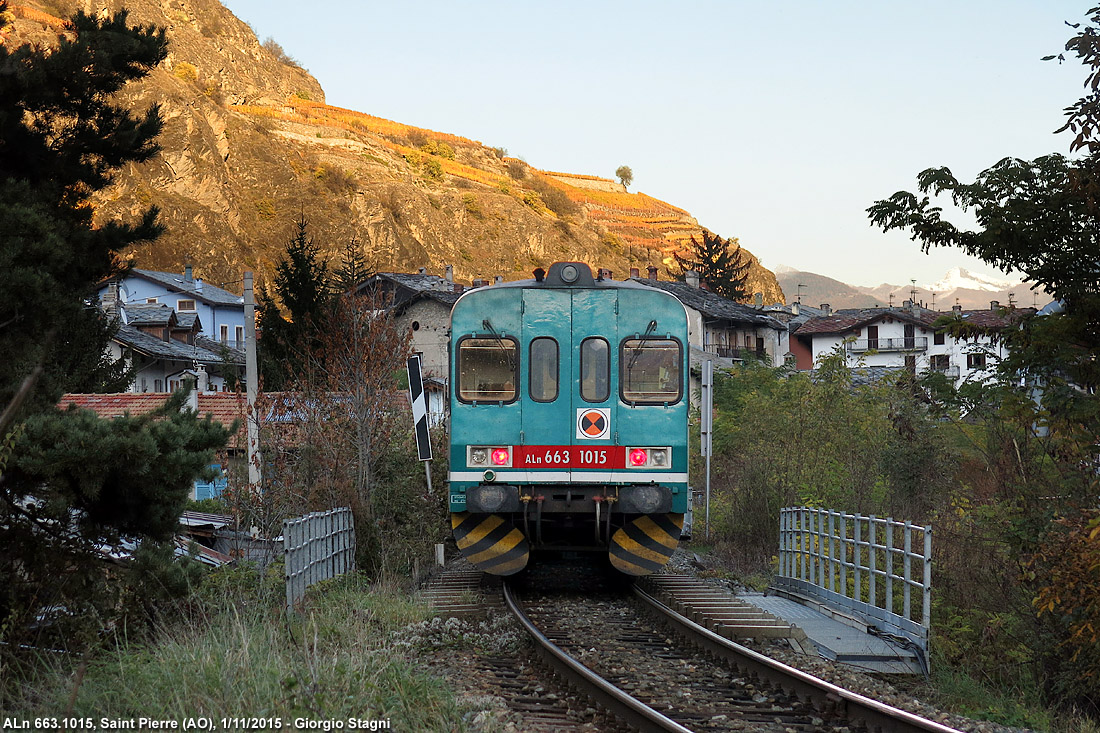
875, 568
317, 546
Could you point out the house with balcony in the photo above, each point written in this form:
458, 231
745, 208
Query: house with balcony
166, 348
906, 337
722, 328
220, 312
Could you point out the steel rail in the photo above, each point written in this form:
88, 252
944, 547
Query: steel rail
631, 710
872, 713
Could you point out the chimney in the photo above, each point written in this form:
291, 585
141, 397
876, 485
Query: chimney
187, 272
795, 308
635, 272
652, 270
457, 287
422, 270
110, 300
994, 305
204, 379
758, 300
692, 278
449, 273
498, 279
478, 283
827, 309
192, 395
956, 308
198, 285
604, 274
907, 304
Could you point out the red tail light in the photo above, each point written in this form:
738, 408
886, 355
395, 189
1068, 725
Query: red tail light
501, 457
638, 457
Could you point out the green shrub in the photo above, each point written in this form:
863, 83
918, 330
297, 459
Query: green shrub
472, 206
186, 71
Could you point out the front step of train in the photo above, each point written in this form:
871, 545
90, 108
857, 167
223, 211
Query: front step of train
494, 545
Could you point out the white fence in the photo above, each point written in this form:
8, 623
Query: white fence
875, 568
317, 546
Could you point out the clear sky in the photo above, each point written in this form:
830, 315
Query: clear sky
775, 122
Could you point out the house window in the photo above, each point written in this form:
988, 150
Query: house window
760, 351
224, 333
911, 363
487, 369
543, 370
940, 362
650, 370
938, 339
872, 337
144, 385
157, 386
975, 361
238, 333
152, 300
185, 305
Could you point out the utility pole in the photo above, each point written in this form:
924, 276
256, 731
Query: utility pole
251, 378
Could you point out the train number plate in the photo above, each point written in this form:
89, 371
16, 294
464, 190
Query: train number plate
569, 456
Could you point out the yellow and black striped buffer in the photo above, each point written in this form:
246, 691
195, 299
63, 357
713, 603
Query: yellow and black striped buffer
490, 542
646, 544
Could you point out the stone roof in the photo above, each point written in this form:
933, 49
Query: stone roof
853, 319
149, 314
711, 305
199, 290
431, 287
173, 350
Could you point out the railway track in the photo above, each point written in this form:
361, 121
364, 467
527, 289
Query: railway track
618, 649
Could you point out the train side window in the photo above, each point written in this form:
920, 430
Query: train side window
650, 370
595, 369
543, 370
487, 369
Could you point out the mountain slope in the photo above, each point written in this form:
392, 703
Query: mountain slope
249, 145
816, 289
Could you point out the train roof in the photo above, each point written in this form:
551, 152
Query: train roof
560, 276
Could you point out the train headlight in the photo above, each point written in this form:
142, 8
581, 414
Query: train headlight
502, 457
649, 457
479, 456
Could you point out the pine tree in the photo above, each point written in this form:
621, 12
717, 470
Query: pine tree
61, 139
354, 269
71, 483
291, 316
720, 264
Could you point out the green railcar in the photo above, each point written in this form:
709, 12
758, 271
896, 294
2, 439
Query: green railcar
569, 420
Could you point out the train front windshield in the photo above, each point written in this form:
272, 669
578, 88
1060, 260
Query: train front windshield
487, 370
650, 370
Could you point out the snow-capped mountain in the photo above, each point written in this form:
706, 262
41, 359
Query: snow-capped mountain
960, 277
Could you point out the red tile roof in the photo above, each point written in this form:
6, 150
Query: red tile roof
223, 407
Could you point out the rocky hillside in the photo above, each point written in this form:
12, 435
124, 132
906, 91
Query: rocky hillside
250, 145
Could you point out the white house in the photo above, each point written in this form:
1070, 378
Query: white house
905, 337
